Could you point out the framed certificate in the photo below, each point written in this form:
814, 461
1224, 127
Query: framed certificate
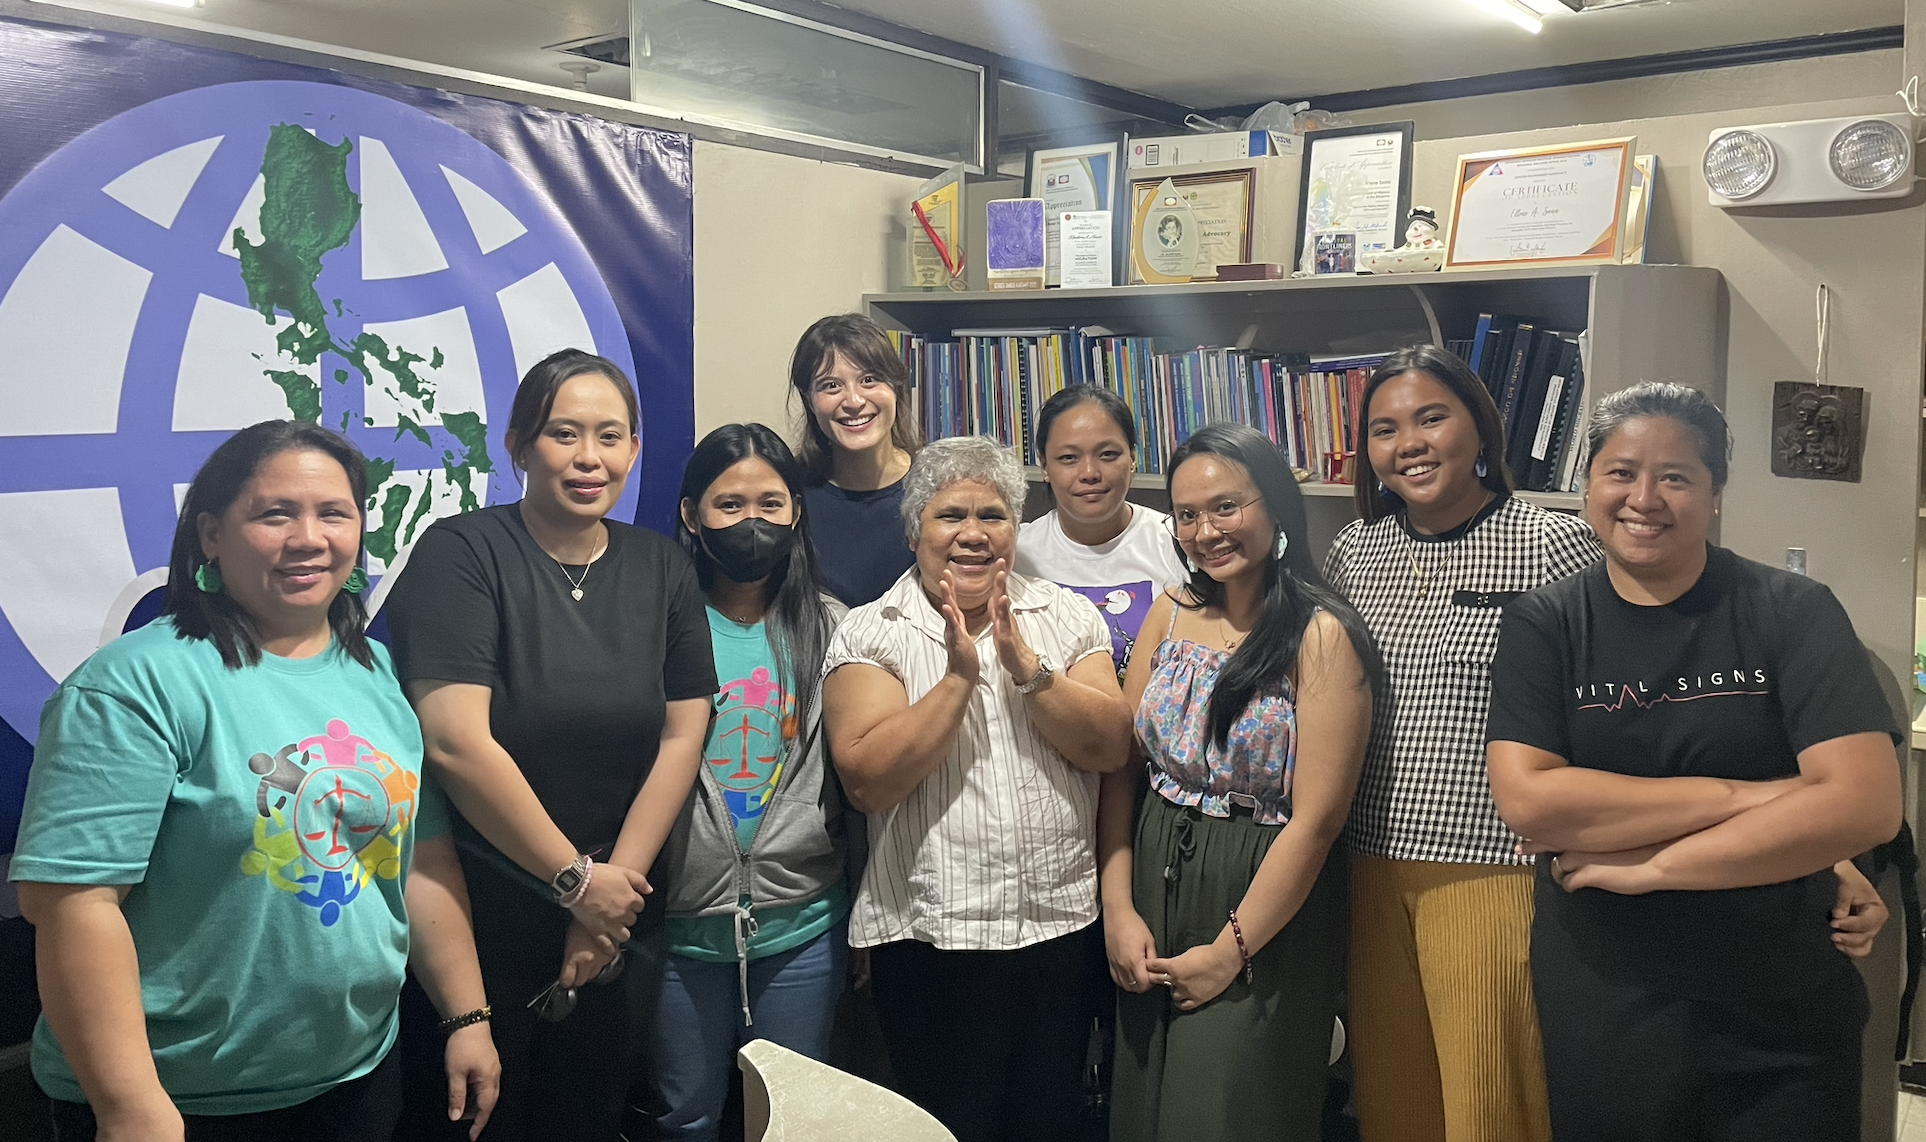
1541, 206
1355, 178
1072, 180
1220, 205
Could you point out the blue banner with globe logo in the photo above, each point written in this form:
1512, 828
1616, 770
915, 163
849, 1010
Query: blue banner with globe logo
192, 241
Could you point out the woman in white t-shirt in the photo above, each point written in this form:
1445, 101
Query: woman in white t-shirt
1096, 542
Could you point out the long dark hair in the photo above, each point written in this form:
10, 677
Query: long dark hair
1375, 501
798, 622
218, 618
535, 398
1294, 588
862, 343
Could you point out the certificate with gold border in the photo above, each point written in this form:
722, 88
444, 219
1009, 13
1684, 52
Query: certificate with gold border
1540, 206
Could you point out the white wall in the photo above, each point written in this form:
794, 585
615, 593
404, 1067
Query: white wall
779, 242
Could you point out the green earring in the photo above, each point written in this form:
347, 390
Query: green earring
208, 578
357, 582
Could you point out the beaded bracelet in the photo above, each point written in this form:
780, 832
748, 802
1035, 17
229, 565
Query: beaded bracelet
479, 1015
1243, 953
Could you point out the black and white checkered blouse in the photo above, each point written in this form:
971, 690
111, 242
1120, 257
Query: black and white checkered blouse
1434, 603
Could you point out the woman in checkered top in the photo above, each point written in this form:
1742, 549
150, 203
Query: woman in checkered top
1444, 1032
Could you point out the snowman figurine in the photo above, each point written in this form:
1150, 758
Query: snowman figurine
1422, 231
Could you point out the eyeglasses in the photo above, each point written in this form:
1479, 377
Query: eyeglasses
556, 1003
1224, 518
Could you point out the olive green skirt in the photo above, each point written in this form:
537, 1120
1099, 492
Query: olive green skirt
1252, 1063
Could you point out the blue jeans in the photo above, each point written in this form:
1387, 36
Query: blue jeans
699, 1025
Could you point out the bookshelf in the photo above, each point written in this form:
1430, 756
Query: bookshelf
1645, 323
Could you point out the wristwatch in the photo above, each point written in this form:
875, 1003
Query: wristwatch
1042, 675
569, 882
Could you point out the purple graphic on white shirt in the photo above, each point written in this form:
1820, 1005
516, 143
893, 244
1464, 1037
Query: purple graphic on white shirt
1123, 608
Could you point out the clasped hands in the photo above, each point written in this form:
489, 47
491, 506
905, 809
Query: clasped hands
602, 919
1019, 661
1194, 977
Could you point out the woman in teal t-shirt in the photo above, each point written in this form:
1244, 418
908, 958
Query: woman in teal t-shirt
756, 891
227, 852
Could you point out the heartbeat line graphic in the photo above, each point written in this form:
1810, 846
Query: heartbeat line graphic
1626, 693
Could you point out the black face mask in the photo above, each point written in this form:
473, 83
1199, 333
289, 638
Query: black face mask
749, 551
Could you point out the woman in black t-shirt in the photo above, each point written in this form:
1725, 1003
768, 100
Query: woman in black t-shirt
858, 438
560, 665
1693, 741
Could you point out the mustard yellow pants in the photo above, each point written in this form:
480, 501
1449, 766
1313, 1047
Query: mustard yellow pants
1444, 1033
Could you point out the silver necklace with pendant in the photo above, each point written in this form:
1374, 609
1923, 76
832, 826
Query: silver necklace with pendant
575, 585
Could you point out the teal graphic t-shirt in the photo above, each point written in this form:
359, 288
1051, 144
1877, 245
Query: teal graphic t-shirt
265, 817
749, 741
754, 723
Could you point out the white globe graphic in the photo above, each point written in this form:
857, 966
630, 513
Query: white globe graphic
130, 346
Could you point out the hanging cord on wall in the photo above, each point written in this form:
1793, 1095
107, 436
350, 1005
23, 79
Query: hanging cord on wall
1824, 321
1910, 93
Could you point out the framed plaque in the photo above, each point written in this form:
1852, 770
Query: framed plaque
1219, 206
1071, 180
1541, 206
1358, 179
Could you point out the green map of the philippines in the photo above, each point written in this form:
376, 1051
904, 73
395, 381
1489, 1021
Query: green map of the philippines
308, 212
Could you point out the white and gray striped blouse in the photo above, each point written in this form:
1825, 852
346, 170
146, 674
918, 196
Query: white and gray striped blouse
996, 849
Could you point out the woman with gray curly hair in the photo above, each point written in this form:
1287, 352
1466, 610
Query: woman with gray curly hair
970, 711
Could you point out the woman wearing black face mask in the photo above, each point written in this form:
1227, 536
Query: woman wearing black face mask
756, 892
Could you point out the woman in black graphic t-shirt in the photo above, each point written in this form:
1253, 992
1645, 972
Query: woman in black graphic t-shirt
1693, 741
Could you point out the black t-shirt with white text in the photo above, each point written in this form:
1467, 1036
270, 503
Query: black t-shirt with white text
579, 686
1732, 680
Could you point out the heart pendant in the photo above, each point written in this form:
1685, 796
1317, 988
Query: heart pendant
577, 592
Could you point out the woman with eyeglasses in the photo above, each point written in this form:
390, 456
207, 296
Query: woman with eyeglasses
561, 667
858, 439
1224, 914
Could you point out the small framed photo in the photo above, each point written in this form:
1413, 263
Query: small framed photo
1334, 252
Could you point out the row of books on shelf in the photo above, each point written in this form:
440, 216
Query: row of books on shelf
995, 381
1536, 376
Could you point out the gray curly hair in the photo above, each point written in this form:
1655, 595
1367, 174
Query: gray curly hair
975, 459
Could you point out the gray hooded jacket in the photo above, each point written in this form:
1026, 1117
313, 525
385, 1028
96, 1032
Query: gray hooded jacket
799, 851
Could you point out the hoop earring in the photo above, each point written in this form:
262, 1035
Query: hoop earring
1481, 468
208, 578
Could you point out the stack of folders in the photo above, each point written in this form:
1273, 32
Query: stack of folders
1537, 378
994, 381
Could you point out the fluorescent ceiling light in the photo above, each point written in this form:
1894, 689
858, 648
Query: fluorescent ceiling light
1513, 10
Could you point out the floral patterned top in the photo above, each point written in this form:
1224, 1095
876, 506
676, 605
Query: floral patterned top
1186, 768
